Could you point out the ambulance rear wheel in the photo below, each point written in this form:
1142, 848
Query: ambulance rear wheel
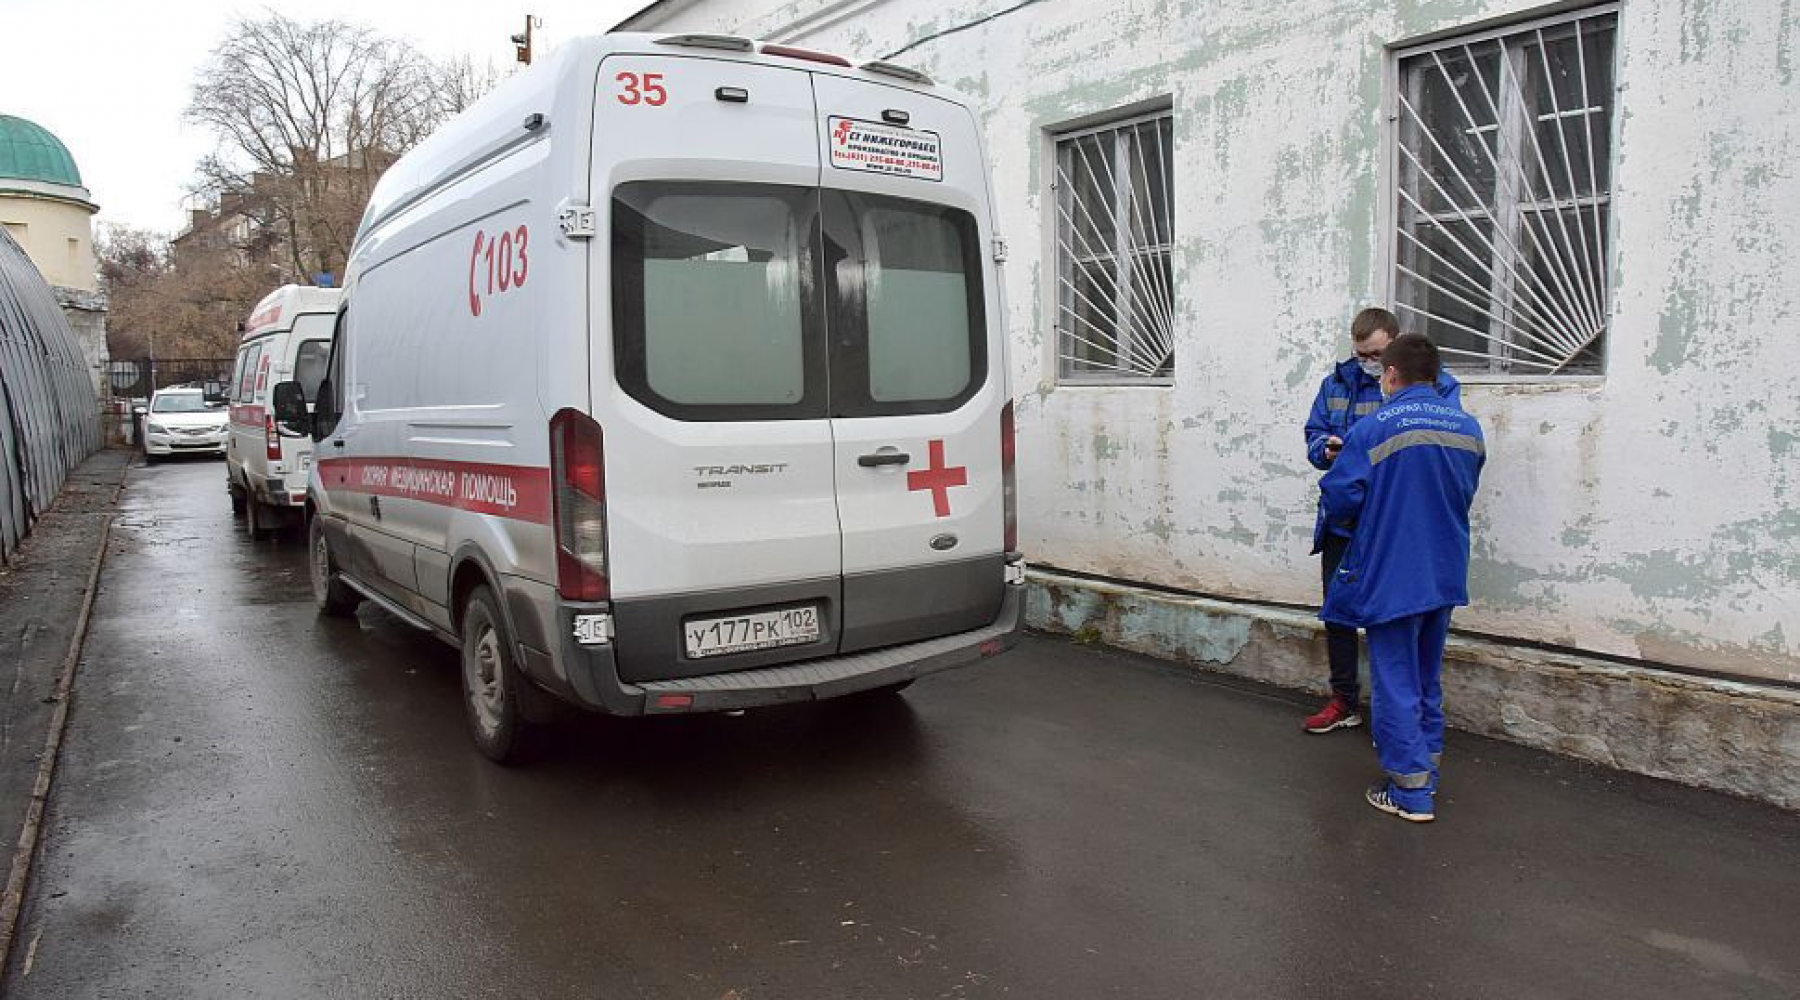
333, 596
495, 698
237, 499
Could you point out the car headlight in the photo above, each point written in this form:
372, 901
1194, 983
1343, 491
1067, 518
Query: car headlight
156, 428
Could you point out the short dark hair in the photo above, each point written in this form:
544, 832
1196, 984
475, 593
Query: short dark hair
1369, 320
1414, 357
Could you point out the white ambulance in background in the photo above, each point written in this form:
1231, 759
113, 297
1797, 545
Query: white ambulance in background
671, 377
287, 337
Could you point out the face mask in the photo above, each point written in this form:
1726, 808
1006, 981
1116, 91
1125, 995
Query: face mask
1370, 368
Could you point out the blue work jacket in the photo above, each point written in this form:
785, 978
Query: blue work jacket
1346, 395
1401, 489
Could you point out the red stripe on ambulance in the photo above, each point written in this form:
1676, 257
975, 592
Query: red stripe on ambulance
519, 492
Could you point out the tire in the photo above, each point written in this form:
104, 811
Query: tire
150, 459
495, 696
254, 524
334, 597
237, 498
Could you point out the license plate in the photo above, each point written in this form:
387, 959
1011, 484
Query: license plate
743, 633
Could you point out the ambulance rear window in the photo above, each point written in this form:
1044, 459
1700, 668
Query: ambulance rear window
714, 311
907, 316
309, 366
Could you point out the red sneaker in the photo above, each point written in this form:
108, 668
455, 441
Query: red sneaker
1337, 714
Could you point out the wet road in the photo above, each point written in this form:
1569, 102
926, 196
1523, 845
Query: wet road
259, 802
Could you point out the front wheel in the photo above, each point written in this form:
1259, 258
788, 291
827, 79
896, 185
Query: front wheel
494, 693
333, 596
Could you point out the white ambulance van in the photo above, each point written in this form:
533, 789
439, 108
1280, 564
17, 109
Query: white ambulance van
287, 337
671, 377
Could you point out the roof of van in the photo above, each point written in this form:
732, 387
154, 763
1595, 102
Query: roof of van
512, 112
279, 307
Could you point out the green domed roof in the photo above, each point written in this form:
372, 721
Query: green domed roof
29, 152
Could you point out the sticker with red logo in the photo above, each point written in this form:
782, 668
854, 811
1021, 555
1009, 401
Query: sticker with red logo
874, 148
938, 478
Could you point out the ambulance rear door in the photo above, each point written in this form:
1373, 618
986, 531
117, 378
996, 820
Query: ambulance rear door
708, 366
917, 362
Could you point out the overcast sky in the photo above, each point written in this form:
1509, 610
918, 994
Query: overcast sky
111, 77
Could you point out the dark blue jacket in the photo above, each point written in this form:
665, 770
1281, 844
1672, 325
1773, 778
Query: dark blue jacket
1344, 396
1401, 489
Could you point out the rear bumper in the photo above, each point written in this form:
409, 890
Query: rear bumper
278, 492
588, 676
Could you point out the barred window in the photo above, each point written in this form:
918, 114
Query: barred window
1114, 230
1502, 245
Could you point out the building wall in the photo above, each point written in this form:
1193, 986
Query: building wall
56, 235
1650, 512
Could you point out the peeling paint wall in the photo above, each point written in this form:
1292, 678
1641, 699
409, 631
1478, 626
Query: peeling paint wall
1650, 513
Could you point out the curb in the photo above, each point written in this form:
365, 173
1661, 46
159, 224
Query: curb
12, 903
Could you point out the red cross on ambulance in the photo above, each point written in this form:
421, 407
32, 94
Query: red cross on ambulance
938, 479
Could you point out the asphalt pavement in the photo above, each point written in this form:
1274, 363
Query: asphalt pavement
254, 801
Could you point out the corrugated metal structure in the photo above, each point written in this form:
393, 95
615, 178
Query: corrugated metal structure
49, 418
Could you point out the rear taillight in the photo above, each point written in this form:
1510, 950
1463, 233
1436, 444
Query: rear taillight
1009, 479
790, 52
272, 437
578, 477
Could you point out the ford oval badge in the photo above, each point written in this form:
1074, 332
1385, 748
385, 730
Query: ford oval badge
944, 542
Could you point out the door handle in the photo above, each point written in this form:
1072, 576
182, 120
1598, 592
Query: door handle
337, 442
375, 506
883, 458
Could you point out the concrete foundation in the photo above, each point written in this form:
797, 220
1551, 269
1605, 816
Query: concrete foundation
1732, 737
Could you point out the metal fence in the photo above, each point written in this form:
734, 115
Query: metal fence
138, 378
49, 419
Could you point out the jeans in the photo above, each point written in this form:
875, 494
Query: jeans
1340, 640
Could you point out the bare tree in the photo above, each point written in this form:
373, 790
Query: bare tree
170, 305
462, 83
307, 117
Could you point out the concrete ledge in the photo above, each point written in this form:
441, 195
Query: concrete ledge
1724, 735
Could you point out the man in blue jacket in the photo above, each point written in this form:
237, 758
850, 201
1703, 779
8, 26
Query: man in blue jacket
1401, 486
1350, 392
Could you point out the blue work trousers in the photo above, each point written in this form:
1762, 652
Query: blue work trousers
1406, 659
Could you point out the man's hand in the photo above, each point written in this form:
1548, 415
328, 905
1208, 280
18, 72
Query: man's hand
1333, 445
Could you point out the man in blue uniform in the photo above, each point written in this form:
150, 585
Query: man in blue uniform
1350, 392
1401, 487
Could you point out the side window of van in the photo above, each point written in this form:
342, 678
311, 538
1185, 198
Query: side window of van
237, 374
247, 376
328, 395
908, 319
309, 366
715, 304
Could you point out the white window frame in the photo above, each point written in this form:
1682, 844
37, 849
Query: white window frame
1136, 295
1395, 210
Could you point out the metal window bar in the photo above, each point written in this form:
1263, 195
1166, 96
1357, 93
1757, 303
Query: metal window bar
1518, 280
1115, 307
